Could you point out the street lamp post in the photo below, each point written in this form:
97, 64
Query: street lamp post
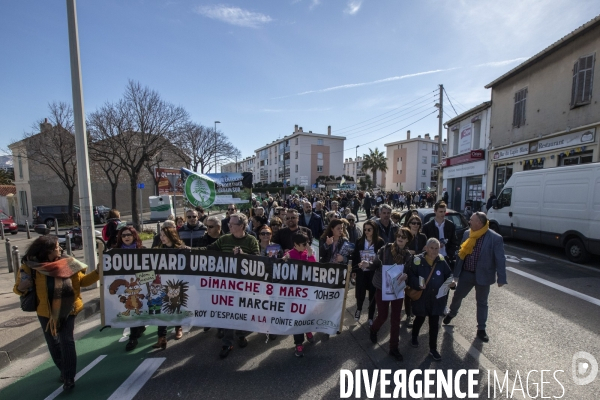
216, 122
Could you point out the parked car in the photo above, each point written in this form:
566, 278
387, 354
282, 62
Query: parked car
555, 206
456, 217
47, 214
8, 223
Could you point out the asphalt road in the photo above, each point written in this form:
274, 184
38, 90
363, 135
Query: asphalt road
545, 315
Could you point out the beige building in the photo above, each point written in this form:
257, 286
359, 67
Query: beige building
544, 113
413, 164
353, 168
299, 158
245, 165
37, 185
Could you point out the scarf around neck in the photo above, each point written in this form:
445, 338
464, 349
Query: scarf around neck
467, 247
62, 298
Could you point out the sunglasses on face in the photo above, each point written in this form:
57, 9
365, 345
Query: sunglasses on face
192, 216
127, 235
368, 230
211, 226
402, 237
351, 220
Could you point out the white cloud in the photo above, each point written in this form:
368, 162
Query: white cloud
501, 63
353, 6
314, 3
234, 15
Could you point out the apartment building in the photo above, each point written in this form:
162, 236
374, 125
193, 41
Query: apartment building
413, 164
353, 168
245, 165
543, 111
299, 158
465, 168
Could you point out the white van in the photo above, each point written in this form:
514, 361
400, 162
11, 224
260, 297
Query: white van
556, 206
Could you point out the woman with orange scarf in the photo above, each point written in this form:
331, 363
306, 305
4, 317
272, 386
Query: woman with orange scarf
57, 281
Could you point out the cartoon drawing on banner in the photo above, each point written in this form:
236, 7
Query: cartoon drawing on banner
156, 293
176, 296
132, 298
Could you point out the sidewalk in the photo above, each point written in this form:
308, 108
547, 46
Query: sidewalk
20, 332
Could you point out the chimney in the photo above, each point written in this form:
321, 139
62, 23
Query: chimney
329, 130
309, 131
407, 135
346, 160
44, 126
419, 136
436, 137
300, 129
427, 136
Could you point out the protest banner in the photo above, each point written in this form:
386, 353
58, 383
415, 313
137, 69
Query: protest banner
217, 191
221, 290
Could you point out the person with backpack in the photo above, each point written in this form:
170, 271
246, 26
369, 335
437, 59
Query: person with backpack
110, 230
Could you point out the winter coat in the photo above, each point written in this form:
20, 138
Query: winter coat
427, 303
384, 257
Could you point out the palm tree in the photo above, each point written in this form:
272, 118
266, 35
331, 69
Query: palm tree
375, 161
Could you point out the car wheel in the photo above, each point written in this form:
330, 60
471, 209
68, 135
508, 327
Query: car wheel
576, 251
494, 226
49, 223
14, 233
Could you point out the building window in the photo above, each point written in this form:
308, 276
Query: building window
583, 74
296, 140
434, 160
503, 174
319, 168
20, 166
519, 112
582, 158
424, 158
424, 147
320, 142
423, 185
296, 154
319, 156
423, 172
296, 168
23, 202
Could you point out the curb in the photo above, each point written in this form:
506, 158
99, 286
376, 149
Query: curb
25, 344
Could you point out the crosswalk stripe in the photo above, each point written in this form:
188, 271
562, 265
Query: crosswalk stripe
553, 285
79, 375
137, 379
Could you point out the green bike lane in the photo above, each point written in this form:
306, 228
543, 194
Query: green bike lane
105, 365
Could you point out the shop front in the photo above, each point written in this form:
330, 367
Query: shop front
465, 179
573, 148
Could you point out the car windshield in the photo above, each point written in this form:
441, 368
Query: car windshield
3, 216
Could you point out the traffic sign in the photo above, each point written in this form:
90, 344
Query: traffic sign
140, 185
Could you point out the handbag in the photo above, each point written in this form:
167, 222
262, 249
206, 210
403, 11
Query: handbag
29, 299
415, 294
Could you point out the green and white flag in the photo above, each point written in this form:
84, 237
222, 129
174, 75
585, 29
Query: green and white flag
217, 191
200, 190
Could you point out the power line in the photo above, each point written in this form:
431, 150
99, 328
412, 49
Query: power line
458, 103
448, 97
387, 126
387, 112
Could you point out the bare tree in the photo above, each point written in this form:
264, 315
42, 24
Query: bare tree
100, 154
204, 148
54, 147
134, 130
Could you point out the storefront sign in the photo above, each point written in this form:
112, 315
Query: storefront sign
510, 152
571, 139
473, 155
470, 169
464, 143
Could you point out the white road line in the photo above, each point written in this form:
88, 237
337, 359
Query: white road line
79, 375
480, 358
552, 258
553, 285
137, 379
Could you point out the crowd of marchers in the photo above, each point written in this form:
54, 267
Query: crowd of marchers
431, 255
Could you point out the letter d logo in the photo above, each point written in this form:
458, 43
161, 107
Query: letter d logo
584, 364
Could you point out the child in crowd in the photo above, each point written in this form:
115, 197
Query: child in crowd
301, 251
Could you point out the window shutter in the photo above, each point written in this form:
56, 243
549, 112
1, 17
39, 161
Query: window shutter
574, 86
516, 110
586, 95
524, 104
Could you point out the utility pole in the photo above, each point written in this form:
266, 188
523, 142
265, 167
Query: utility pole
440, 142
81, 146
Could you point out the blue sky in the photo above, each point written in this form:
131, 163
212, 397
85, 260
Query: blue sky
260, 67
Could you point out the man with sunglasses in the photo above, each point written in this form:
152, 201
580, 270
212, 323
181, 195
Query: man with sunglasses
231, 209
213, 231
310, 220
284, 237
193, 231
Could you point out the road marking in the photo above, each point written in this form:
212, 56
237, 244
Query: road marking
479, 357
137, 379
553, 258
553, 285
79, 375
